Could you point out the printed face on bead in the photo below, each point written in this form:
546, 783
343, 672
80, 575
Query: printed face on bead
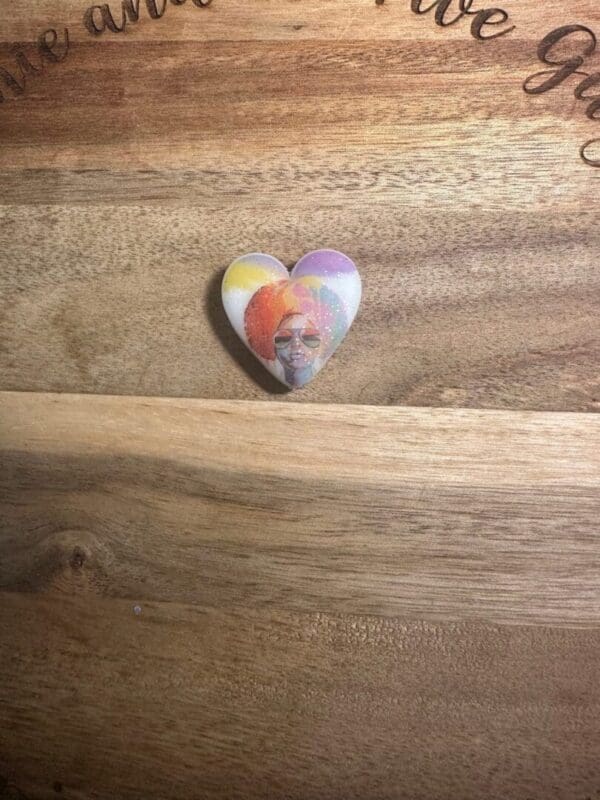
293, 323
297, 342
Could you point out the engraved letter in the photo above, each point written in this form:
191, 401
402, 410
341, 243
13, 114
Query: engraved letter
11, 81
442, 8
23, 61
568, 66
593, 162
580, 94
95, 26
131, 11
153, 10
485, 17
47, 43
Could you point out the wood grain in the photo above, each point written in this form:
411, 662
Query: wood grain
486, 515
135, 171
248, 600
184, 702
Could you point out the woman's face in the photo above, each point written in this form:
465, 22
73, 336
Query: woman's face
297, 342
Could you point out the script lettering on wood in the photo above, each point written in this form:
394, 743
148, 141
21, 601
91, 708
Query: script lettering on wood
482, 17
486, 23
99, 18
49, 49
53, 49
584, 45
567, 65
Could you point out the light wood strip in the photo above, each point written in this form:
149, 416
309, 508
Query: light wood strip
443, 515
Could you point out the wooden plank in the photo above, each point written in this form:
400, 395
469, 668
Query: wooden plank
135, 171
433, 514
184, 702
231, 599
437, 326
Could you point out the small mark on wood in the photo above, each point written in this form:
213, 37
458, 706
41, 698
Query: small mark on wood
78, 558
57, 786
379, 2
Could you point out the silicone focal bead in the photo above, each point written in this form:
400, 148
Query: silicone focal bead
293, 323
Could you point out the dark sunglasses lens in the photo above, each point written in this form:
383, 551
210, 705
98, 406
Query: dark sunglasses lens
311, 339
282, 341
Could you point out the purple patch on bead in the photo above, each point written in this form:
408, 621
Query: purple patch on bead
324, 263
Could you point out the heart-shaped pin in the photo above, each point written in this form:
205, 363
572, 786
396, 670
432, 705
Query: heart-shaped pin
293, 323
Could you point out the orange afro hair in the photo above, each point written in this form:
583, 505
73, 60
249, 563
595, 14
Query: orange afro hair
270, 304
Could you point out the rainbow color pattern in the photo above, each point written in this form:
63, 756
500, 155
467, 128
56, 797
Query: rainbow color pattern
293, 323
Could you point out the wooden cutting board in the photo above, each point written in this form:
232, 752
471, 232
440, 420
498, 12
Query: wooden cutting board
217, 589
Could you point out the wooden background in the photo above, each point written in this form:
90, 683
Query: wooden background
218, 597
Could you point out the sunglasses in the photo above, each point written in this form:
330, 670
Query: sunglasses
308, 337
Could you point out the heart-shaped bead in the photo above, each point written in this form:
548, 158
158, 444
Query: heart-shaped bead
293, 323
